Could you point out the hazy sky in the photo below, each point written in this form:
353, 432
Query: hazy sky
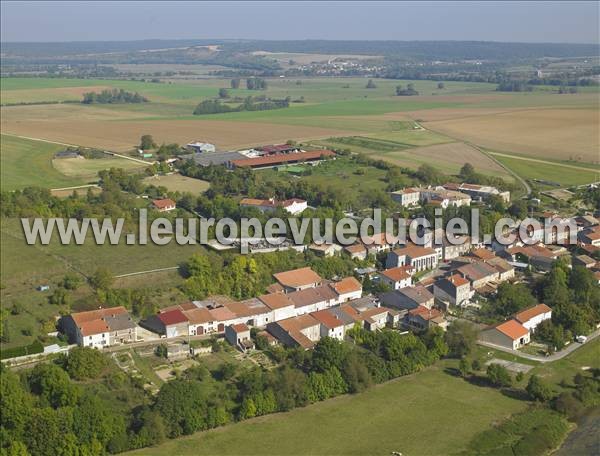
575, 22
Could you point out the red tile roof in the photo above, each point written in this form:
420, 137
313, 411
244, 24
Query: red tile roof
90, 328
276, 300
397, 274
298, 277
527, 314
328, 319
272, 160
512, 329
163, 203
346, 285
172, 317
81, 317
425, 313
240, 327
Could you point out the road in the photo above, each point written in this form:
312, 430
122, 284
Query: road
522, 181
546, 162
108, 152
543, 359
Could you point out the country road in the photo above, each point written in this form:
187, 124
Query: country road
108, 152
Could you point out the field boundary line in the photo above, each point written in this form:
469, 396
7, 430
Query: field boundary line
108, 152
150, 271
546, 162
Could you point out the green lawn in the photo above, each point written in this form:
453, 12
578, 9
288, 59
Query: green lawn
26, 163
429, 413
555, 173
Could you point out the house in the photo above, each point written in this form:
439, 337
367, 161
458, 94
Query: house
406, 197
280, 304
408, 298
444, 198
356, 251
325, 250
532, 317
590, 236
376, 318
584, 260
313, 299
331, 324
164, 205
294, 206
379, 242
347, 289
509, 334
397, 278
302, 331
298, 279
100, 328
422, 318
478, 273
505, 270
198, 147
478, 192
239, 336
454, 290
419, 258
269, 161
168, 323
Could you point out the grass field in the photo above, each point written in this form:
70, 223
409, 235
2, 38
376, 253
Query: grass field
27, 162
87, 169
556, 173
178, 183
429, 413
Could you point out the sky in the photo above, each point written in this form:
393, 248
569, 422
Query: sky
570, 22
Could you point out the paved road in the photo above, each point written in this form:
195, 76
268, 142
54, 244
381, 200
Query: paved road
543, 359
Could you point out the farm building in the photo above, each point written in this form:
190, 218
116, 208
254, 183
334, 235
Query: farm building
164, 205
269, 161
100, 328
200, 147
509, 334
532, 317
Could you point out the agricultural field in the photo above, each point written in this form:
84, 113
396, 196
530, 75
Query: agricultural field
87, 169
537, 124
178, 183
545, 133
401, 415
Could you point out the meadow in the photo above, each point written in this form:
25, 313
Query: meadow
178, 183
428, 413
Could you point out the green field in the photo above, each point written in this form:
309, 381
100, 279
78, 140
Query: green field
429, 413
555, 173
27, 162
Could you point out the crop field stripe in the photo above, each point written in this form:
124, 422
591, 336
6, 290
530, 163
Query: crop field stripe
547, 162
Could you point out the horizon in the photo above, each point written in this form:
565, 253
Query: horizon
506, 22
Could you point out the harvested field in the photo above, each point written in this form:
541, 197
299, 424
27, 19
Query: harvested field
50, 94
449, 157
88, 169
178, 183
559, 134
65, 193
123, 135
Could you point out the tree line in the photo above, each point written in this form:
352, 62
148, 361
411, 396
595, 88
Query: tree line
109, 96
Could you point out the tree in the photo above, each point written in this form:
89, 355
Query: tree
182, 405
464, 366
223, 93
519, 209
441, 85
461, 337
498, 375
147, 142
512, 298
371, 84
538, 389
53, 386
71, 281
328, 353
16, 405
85, 362
235, 83
102, 279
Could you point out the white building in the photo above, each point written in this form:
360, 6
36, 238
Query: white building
398, 277
294, 206
201, 147
532, 317
419, 258
406, 197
